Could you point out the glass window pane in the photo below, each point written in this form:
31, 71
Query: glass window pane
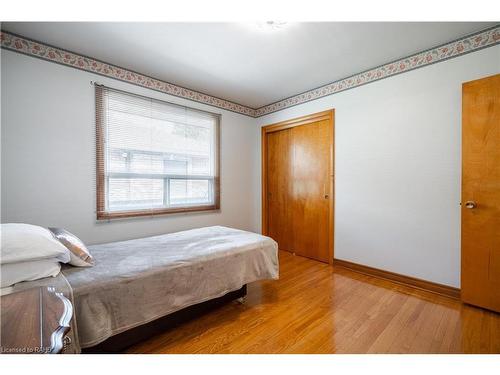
146, 163
117, 161
176, 167
190, 192
200, 166
134, 193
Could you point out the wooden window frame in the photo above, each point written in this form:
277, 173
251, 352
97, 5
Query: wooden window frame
101, 212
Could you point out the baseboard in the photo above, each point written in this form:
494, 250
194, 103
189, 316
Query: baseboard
413, 282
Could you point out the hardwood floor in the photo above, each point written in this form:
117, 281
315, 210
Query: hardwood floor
317, 308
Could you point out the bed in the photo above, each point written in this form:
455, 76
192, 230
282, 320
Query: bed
137, 283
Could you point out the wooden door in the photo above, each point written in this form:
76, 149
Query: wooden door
298, 185
481, 193
310, 200
278, 172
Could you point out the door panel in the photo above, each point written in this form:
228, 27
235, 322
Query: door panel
278, 178
481, 188
311, 189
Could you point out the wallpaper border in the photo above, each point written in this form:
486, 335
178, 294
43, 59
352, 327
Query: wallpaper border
473, 42
30, 47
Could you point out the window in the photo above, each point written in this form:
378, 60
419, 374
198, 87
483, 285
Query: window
154, 157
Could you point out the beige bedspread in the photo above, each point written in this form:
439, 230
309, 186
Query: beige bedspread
137, 281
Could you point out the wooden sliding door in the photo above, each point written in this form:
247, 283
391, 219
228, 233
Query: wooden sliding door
481, 192
298, 185
279, 188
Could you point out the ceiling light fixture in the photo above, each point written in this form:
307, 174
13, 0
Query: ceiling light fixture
271, 25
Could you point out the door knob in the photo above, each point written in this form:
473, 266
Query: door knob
470, 205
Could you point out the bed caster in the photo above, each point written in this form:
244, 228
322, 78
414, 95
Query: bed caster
241, 300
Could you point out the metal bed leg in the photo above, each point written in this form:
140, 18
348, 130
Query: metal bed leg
241, 300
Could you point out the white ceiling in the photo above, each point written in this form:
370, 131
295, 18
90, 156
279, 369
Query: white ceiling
240, 62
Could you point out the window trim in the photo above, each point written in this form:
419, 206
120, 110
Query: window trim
101, 212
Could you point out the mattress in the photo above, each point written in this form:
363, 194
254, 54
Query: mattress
137, 281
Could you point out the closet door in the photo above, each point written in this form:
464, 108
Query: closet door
311, 185
298, 185
278, 188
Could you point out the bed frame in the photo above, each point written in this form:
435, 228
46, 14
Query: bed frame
117, 343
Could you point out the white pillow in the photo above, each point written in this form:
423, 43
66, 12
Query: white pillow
26, 242
13, 273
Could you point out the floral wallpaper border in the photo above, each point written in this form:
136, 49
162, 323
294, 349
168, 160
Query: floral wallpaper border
477, 41
474, 42
43, 51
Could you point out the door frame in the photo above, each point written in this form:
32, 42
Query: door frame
303, 120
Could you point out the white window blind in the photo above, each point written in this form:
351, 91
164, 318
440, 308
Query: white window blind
154, 156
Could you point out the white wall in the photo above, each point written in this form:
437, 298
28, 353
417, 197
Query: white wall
48, 155
398, 162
